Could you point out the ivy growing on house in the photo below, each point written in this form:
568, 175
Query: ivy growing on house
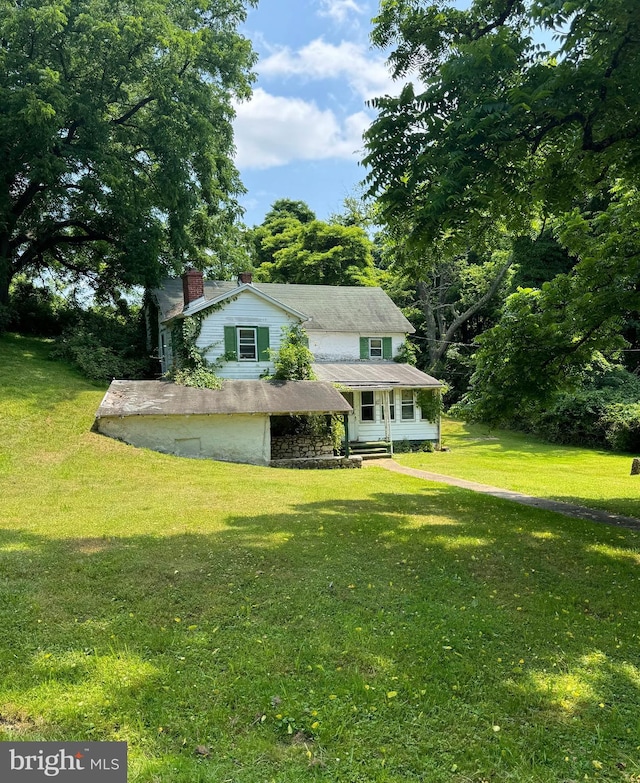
407, 354
294, 360
190, 367
430, 403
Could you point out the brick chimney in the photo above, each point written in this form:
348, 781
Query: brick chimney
192, 286
245, 277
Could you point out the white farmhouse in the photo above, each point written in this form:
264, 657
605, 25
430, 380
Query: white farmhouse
354, 334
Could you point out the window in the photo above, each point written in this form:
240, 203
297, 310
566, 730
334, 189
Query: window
408, 405
367, 406
247, 344
375, 348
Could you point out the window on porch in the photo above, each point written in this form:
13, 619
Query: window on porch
408, 405
367, 406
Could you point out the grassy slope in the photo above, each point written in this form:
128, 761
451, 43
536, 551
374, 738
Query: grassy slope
331, 626
511, 460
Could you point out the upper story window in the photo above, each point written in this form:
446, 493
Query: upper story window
247, 344
375, 348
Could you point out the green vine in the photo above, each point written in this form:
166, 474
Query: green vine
190, 366
430, 403
293, 362
407, 354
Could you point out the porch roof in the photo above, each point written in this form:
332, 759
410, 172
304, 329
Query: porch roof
375, 375
146, 398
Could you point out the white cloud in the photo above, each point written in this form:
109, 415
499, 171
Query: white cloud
365, 73
272, 131
338, 10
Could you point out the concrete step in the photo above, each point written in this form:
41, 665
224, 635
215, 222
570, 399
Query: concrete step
370, 449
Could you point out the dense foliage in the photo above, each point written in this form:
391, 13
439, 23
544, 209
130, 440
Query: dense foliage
106, 342
602, 411
116, 139
292, 246
293, 362
505, 135
190, 366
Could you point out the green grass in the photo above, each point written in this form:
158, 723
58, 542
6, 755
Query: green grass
324, 626
512, 460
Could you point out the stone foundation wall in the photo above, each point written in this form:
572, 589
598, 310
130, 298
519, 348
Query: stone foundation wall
299, 447
318, 463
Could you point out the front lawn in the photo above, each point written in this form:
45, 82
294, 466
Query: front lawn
512, 460
235, 623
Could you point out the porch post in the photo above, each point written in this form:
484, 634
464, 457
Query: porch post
345, 417
387, 418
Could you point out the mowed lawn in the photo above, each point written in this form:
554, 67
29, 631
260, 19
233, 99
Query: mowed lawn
512, 460
243, 624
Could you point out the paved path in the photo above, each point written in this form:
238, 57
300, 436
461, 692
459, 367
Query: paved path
569, 509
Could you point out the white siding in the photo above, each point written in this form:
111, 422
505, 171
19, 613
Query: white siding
247, 310
344, 346
237, 438
415, 429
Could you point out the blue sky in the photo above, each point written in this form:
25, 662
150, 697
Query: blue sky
299, 137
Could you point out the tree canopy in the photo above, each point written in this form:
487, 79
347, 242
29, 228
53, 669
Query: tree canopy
504, 134
292, 246
115, 135
499, 127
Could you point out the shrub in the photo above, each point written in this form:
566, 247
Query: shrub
106, 343
601, 413
621, 425
6, 316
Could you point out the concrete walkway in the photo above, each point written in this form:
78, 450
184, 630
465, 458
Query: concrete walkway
568, 509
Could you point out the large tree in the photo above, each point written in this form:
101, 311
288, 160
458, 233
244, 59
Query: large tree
115, 135
291, 246
503, 131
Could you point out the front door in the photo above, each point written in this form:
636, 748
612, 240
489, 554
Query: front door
352, 419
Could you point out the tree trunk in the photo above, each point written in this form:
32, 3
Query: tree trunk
439, 335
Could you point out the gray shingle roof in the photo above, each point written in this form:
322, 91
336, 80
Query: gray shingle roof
145, 398
372, 375
329, 308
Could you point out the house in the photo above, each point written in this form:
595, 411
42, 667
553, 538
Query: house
354, 334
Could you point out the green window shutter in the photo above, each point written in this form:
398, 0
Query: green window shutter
364, 347
263, 343
386, 348
230, 346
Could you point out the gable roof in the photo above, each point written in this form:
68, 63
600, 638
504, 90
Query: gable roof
327, 308
163, 398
